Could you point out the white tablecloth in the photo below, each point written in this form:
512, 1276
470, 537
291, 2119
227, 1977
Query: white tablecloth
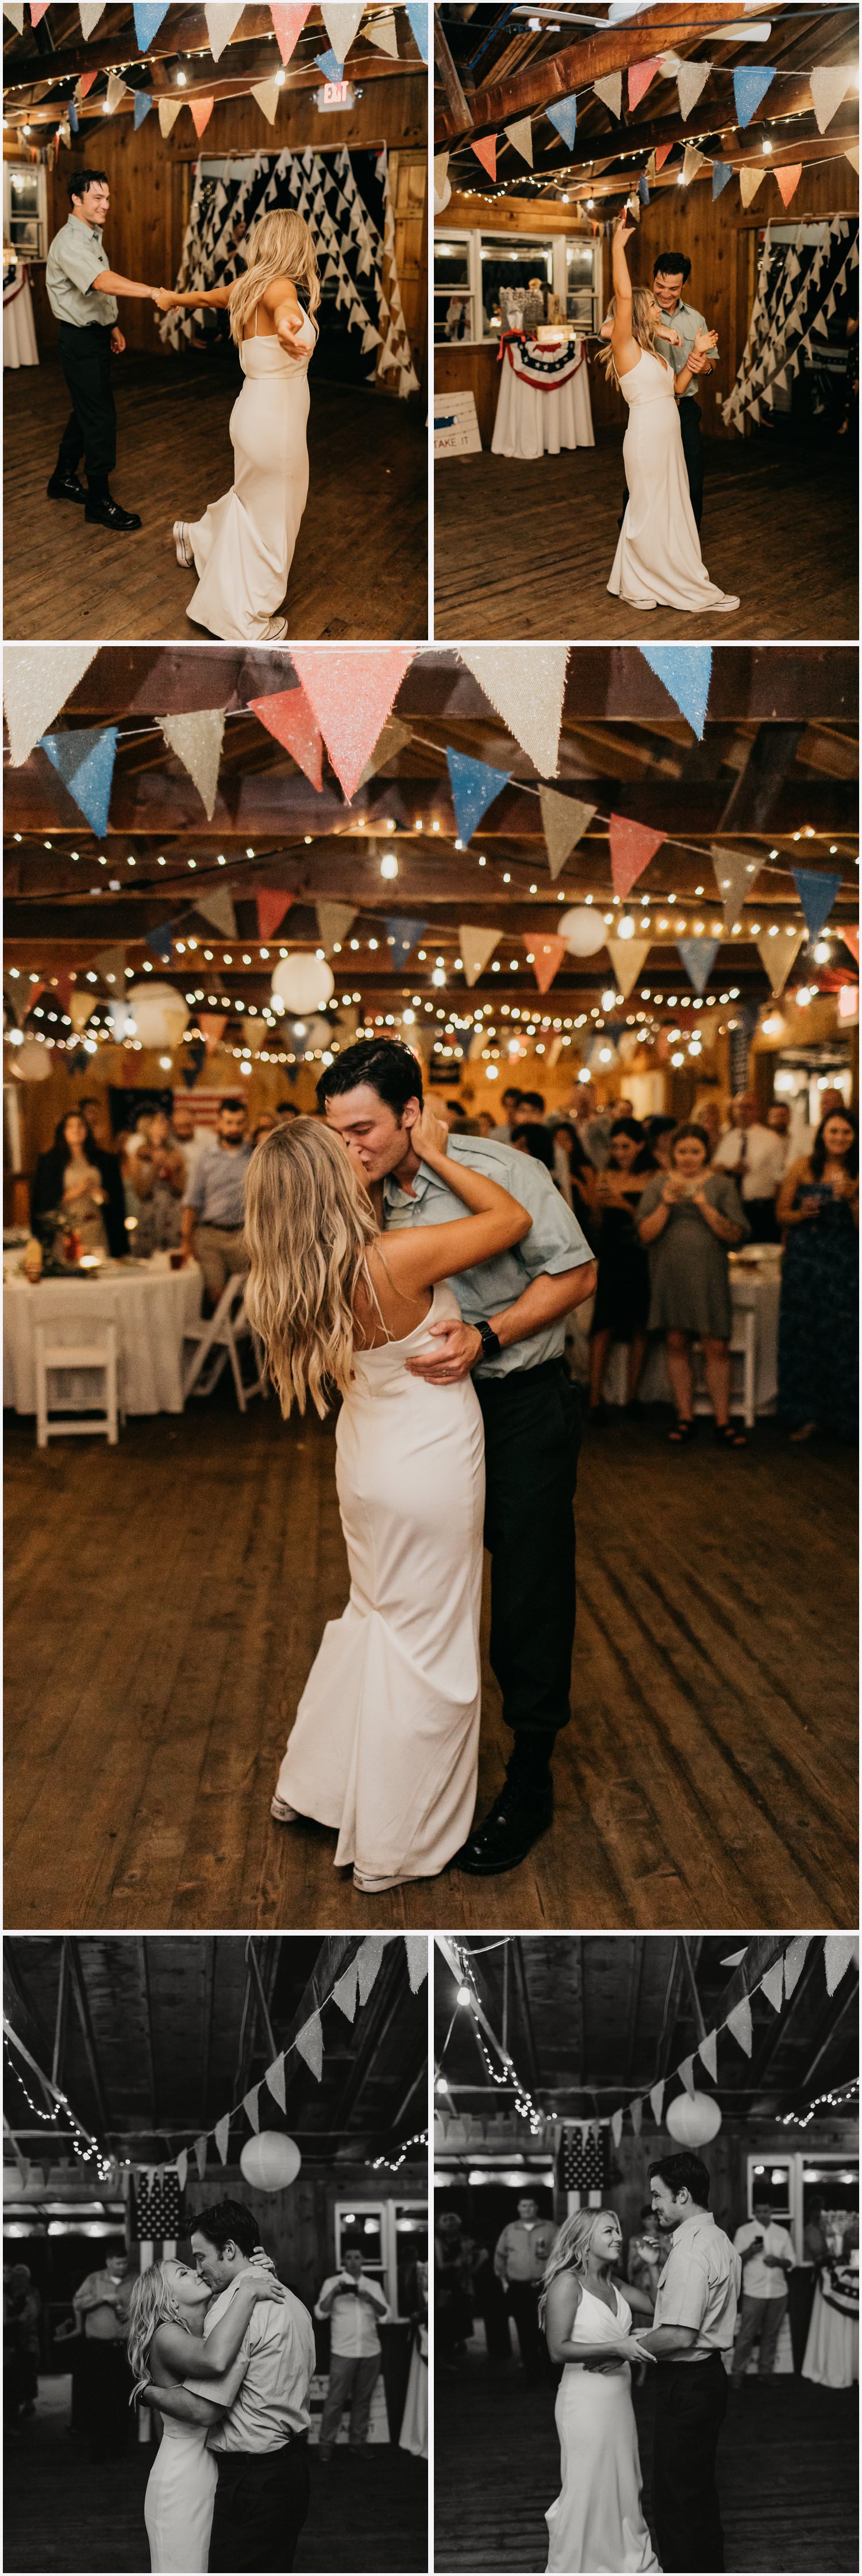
756, 1290
20, 346
153, 1307
539, 420
832, 2349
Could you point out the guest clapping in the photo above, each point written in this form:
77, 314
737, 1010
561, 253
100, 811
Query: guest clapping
76, 1181
756, 1156
690, 1218
622, 1302
159, 1180
818, 1347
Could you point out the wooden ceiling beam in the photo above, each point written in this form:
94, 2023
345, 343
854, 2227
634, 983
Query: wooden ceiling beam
578, 65
817, 149
220, 88
652, 132
183, 31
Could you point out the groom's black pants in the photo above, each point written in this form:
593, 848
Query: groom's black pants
261, 2503
532, 1421
692, 448
691, 2404
91, 429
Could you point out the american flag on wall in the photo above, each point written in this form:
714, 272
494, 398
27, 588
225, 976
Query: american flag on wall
582, 2162
156, 2206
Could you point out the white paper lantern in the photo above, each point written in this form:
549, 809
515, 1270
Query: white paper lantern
583, 931
160, 1014
692, 2119
303, 983
270, 2162
32, 1062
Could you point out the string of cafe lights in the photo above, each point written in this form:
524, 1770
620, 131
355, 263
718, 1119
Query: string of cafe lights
393, 2164
833, 2101
85, 2147
66, 84
508, 2080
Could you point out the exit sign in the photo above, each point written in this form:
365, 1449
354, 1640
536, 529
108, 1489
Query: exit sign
335, 94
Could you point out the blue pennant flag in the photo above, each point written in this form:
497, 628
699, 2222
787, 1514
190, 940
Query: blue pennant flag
685, 672
474, 786
330, 66
85, 762
73, 117
816, 894
417, 11
148, 19
698, 957
721, 172
565, 117
749, 87
403, 934
643, 188
162, 941
143, 104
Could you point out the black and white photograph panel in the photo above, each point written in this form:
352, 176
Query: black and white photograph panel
646, 2259
646, 315
216, 250
215, 2237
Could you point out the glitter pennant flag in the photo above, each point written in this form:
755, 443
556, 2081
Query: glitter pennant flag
690, 80
200, 2155
750, 86
416, 1947
221, 20
637, 2111
547, 956
271, 908
698, 957
721, 172
289, 717
628, 958
274, 2081
197, 741
749, 182
778, 955
839, 1951
169, 109
417, 12
640, 75
708, 2054
632, 847
520, 135
794, 1961
344, 1994
351, 692
221, 2134
788, 180
148, 15
829, 85
685, 671
486, 152
309, 2041
266, 95
527, 687
475, 786
735, 876
36, 684
201, 109
565, 819
249, 2104
288, 18
772, 1984
333, 922
610, 91
367, 1964
404, 933
476, 946
142, 105
85, 762
739, 2024
564, 115
686, 2073
817, 895
657, 2101
341, 19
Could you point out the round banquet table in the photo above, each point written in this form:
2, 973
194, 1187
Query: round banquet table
540, 418
20, 346
754, 1288
832, 2350
154, 1306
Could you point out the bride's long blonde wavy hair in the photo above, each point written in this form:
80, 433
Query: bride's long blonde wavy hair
152, 2304
643, 330
309, 1224
570, 2249
279, 246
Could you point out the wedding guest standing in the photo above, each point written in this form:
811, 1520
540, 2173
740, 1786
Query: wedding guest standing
756, 1156
101, 2371
621, 1310
646, 2254
520, 2257
692, 2339
355, 2306
159, 1181
818, 1324
76, 1180
82, 291
214, 1202
690, 1217
768, 2259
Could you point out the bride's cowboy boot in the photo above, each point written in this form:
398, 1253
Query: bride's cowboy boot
522, 1812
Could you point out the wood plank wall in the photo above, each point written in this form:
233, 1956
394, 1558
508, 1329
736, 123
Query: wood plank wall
152, 180
722, 244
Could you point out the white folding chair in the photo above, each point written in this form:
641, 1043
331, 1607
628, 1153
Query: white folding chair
215, 1341
68, 1341
743, 1346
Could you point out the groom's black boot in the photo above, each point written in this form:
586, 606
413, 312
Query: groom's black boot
522, 1812
102, 507
64, 484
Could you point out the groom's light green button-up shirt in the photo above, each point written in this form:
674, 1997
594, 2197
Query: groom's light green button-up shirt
76, 256
555, 1242
688, 323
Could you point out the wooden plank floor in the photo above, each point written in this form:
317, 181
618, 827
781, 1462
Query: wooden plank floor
360, 567
165, 1602
787, 2472
526, 549
62, 2514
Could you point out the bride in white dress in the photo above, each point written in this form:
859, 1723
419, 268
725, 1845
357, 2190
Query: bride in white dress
166, 2322
658, 562
596, 2522
243, 546
385, 1741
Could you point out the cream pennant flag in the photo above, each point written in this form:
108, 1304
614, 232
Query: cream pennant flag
628, 958
616, 2127
110, 964
274, 2081
333, 922
749, 182
182, 2168
169, 109
416, 1946
267, 95
383, 32
218, 908
117, 91
708, 2053
772, 1984
610, 91
735, 876
637, 2112
36, 684
221, 2134
527, 688
476, 947
565, 819
690, 80
221, 18
739, 2024
794, 1961
249, 2104
14, 11
197, 741
778, 955
367, 1964
851, 154
839, 1951
344, 1994
89, 12
829, 86
692, 162
686, 2073
521, 137
309, 2041
341, 19
200, 2155
657, 2101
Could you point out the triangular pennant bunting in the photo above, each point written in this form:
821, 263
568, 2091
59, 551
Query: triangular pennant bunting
271, 909
520, 135
690, 80
351, 691
333, 922
199, 2152
289, 717
475, 786
309, 2041
686, 2073
221, 20
476, 947
750, 86
394, 738
341, 19
616, 2127
36, 685
416, 1947
739, 2024
788, 179
628, 958
527, 690
817, 895
266, 95
197, 741
721, 172
218, 908
417, 12
486, 152
749, 182
202, 109
221, 2134
565, 819
404, 933
610, 91
684, 670
274, 2081
657, 2101
698, 957
85, 762
161, 941
637, 2112
142, 106
182, 2168
169, 109
367, 1964
794, 1961
564, 115
547, 956
640, 75
288, 18
212, 1025
693, 160
735, 877
778, 955
829, 86
249, 2104
839, 1951
148, 15
632, 846
772, 1984
708, 2054
344, 1994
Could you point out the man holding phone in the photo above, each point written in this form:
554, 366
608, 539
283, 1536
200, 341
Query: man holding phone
767, 2260
355, 2306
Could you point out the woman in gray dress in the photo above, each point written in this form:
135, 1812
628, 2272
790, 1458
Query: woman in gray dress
691, 1218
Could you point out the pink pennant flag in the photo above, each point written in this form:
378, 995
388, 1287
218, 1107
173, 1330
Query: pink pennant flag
271, 909
850, 938
37, 10
640, 75
788, 179
657, 2101
288, 716
202, 109
200, 2156
212, 1025
367, 1964
662, 150
739, 2022
249, 2104
221, 2134
547, 956
351, 689
486, 152
85, 82
288, 18
274, 2081
309, 2042
633, 845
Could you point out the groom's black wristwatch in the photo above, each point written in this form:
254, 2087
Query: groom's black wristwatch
491, 1344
